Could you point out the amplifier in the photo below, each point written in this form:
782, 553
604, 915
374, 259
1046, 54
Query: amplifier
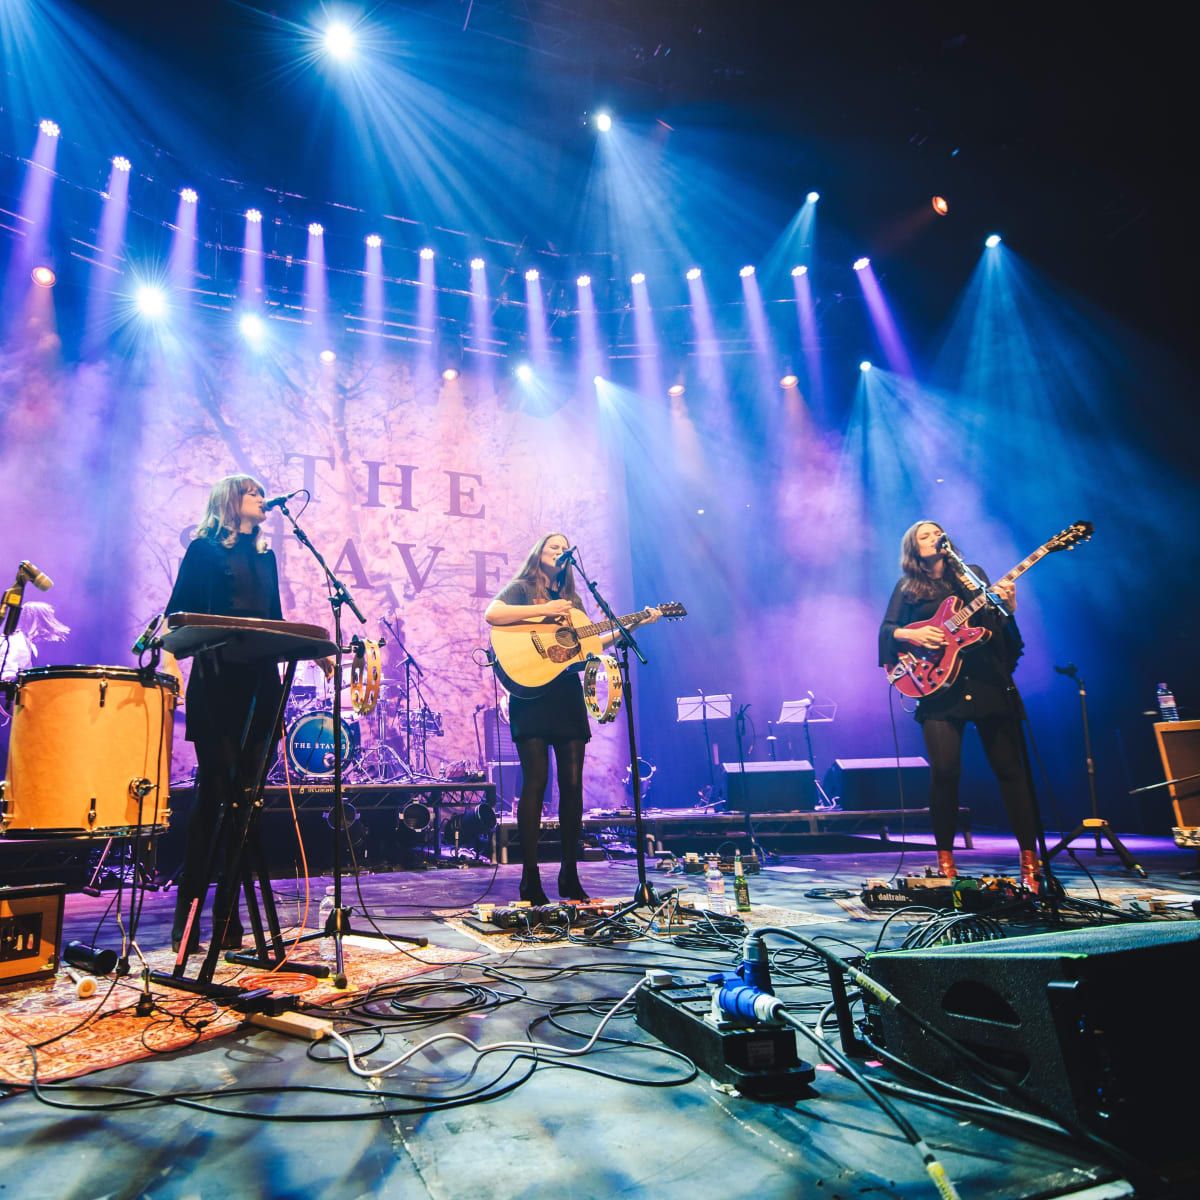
509, 774
871, 783
1179, 746
30, 931
497, 738
1092, 1021
786, 786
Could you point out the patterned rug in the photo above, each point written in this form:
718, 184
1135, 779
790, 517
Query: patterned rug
75, 1037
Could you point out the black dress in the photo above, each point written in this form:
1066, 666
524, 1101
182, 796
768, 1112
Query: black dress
557, 714
234, 581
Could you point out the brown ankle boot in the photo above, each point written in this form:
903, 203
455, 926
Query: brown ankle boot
946, 865
1030, 878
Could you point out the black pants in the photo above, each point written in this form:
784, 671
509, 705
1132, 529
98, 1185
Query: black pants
1001, 738
534, 754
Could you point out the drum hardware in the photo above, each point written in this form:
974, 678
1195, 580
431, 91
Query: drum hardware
91, 816
103, 691
416, 816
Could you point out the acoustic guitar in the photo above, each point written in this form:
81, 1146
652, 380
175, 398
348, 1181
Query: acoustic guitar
530, 655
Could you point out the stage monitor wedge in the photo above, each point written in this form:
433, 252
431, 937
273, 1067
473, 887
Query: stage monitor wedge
787, 786
874, 783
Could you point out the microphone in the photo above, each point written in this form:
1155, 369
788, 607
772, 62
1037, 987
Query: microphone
943, 543
280, 501
148, 635
565, 557
39, 579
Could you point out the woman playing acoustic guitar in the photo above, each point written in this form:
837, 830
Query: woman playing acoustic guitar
556, 717
980, 693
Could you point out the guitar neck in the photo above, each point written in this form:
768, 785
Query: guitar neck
967, 611
601, 627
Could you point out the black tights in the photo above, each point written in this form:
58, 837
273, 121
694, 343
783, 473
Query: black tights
535, 771
1001, 738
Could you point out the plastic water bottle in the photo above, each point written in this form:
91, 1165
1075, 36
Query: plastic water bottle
714, 885
1166, 704
325, 945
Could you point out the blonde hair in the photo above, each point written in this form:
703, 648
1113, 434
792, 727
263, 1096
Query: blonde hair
222, 518
40, 622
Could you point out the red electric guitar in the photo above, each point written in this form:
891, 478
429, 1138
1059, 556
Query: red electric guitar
921, 672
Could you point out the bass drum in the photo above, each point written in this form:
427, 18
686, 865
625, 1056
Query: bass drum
90, 752
309, 745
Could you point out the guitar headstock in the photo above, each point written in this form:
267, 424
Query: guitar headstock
1072, 536
672, 610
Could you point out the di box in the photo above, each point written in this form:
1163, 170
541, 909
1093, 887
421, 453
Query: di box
788, 786
1095, 1022
874, 783
30, 931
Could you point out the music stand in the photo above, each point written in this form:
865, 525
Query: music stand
808, 712
705, 708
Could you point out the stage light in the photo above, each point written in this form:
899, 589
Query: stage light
531, 276
861, 264
992, 241
604, 122
339, 40
864, 366
374, 241
43, 276
583, 281
49, 128
316, 230
121, 163
637, 277
150, 301
477, 264
599, 380
941, 205
426, 252
813, 197
253, 216
746, 271
693, 273
676, 389
797, 272
788, 382
188, 196
253, 328
450, 374
416, 816
524, 372
327, 357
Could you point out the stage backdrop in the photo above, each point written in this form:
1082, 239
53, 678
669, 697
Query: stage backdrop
425, 500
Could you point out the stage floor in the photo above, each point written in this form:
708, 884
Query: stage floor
562, 1133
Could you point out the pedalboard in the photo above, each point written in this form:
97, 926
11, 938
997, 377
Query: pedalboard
759, 1060
936, 891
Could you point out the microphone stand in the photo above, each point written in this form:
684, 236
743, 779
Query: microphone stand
410, 664
1096, 825
338, 924
645, 896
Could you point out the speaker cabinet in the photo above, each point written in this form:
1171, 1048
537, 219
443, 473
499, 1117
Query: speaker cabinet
1095, 1022
30, 931
1179, 746
787, 786
871, 783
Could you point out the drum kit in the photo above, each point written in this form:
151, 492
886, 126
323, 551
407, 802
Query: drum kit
383, 739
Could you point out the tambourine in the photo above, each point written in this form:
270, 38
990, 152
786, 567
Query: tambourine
615, 688
366, 674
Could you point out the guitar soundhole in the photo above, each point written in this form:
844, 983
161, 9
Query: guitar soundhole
567, 637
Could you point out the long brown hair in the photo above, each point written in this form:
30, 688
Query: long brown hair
917, 583
532, 575
222, 518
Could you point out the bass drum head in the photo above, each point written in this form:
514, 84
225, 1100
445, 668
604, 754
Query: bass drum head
310, 747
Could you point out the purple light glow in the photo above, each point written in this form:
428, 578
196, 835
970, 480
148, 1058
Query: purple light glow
98, 322
810, 342
649, 377
590, 363
373, 284
535, 328
676, 389
885, 324
484, 362
327, 357
709, 345
43, 276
